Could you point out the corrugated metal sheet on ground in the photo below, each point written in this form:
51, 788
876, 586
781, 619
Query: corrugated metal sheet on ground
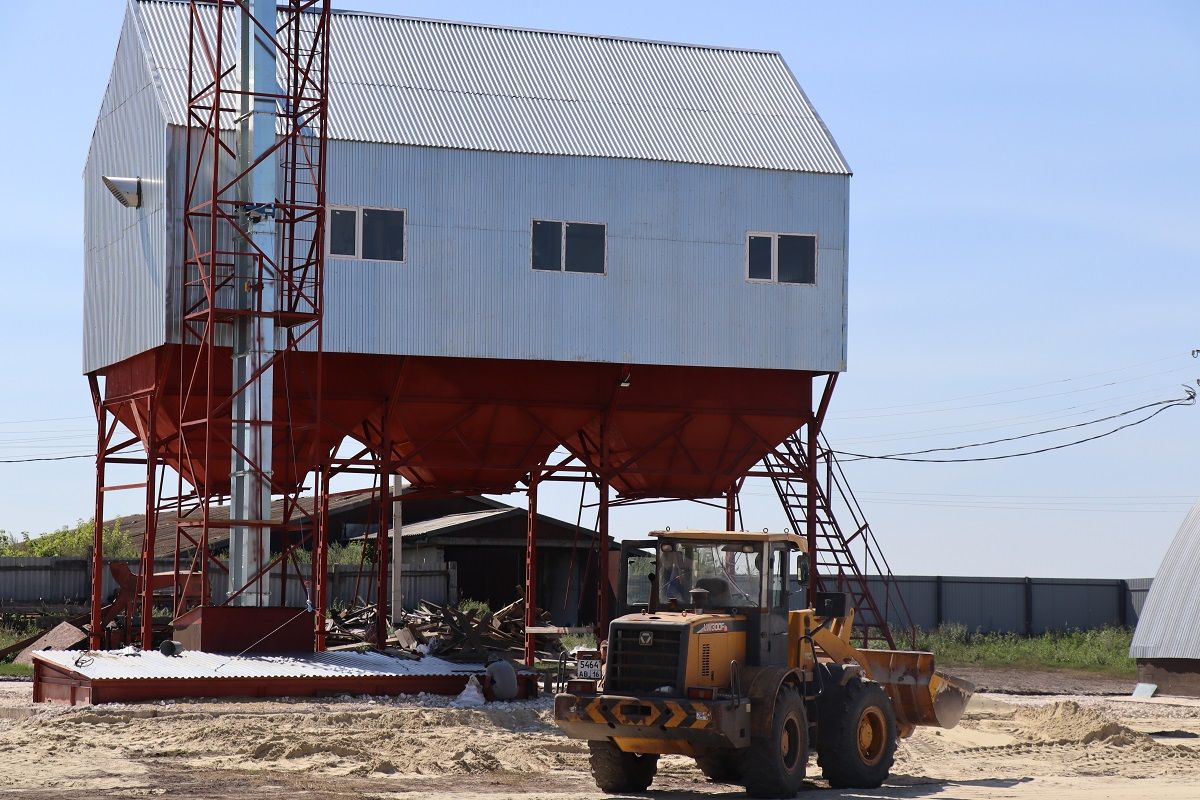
477, 87
190, 664
1169, 626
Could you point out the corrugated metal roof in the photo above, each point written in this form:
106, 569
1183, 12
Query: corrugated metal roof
1167, 627
149, 665
134, 525
457, 85
453, 521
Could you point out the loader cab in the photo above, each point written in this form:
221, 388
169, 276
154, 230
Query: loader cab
758, 576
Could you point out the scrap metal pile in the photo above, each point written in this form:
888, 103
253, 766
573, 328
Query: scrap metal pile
447, 632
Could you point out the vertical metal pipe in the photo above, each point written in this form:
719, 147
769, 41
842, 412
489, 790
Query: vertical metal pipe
731, 509
97, 589
254, 328
531, 568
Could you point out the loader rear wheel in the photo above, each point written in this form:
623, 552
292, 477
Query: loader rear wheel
720, 767
856, 735
618, 771
774, 766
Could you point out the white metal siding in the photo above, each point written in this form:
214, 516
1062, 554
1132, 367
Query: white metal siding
675, 291
451, 84
124, 248
1169, 626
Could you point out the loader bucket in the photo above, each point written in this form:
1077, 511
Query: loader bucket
920, 694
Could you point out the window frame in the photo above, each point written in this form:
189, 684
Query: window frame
774, 237
562, 244
358, 233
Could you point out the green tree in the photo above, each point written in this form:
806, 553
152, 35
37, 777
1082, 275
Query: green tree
69, 542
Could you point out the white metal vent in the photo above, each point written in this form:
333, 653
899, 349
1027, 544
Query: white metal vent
128, 191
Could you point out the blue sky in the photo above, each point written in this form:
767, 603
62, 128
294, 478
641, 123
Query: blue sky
1023, 214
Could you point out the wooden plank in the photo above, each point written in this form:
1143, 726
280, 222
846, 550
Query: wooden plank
63, 636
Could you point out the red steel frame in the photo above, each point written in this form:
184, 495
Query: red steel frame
600, 474
215, 237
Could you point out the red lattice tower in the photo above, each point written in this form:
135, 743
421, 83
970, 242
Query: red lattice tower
246, 375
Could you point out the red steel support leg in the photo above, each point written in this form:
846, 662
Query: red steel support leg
94, 635
812, 481
602, 564
531, 571
383, 558
320, 559
147, 565
731, 509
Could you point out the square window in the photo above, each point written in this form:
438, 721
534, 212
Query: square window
760, 258
383, 234
547, 245
585, 248
797, 259
343, 232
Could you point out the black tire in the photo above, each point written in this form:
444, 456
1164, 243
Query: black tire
720, 766
856, 735
618, 771
774, 766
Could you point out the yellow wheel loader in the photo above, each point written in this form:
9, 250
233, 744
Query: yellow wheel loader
709, 661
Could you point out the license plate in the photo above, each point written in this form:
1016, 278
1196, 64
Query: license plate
588, 669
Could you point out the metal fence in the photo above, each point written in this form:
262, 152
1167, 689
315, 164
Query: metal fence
1014, 605
1004, 605
34, 582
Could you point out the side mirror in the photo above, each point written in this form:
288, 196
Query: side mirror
802, 568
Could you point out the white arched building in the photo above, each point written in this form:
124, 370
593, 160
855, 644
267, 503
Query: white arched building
1166, 643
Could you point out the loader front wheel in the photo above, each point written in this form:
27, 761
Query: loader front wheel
617, 771
774, 766
856, 735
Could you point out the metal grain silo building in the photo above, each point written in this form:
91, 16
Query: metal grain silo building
635, 250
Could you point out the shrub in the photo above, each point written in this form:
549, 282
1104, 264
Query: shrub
477, 607
1098, 650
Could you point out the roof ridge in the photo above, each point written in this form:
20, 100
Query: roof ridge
350, 12
423, 82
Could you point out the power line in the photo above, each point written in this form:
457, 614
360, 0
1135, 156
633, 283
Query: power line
1005, 402
1028, 386
1080, 509
45, 458
1191, 396
1049, 497
45, 419
1077, 410
1163, 405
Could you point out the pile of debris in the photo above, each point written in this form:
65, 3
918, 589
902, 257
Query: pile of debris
449, 633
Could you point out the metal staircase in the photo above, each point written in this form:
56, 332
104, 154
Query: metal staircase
835, 567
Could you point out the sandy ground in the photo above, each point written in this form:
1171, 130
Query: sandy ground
1008, 746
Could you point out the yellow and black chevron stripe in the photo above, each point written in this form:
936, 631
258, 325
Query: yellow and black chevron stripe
646, 712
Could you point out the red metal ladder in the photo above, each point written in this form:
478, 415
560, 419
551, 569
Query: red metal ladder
834, 567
